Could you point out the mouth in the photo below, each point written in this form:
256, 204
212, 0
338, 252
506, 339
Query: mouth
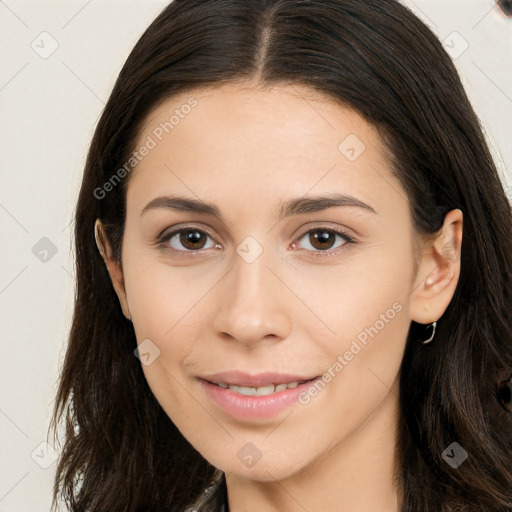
255, 397
269, 389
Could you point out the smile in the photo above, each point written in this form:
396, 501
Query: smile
270, 389
254, 397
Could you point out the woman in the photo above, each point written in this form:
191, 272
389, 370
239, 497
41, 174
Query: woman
294, 273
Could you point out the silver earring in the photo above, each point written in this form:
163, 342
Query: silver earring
433, 325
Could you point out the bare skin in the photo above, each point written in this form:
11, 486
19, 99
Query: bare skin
297, 307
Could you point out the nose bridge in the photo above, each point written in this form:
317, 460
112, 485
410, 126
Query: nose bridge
250, 275
253, 306
250, 271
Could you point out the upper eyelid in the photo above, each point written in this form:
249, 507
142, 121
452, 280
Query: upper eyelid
170, 232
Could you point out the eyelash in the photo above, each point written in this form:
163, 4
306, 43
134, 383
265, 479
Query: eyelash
162, 241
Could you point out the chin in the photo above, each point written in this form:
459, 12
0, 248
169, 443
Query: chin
266, 469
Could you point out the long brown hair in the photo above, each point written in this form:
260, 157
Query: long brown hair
121, 451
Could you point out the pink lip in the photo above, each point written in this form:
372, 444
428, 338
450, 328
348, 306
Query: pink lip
253, 407
261, 379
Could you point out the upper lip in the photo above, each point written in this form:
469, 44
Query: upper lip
238, 378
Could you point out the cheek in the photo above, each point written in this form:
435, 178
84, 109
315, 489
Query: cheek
361, 298
162, 298
161, 303
365, 303
374, 327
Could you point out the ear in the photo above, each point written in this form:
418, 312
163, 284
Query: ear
438, 271
114, 267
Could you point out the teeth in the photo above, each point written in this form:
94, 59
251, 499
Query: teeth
261, 391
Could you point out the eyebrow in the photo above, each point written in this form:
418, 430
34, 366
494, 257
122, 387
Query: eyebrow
288, 208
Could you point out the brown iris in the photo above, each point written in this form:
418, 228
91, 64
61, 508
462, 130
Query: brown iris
190, 238
322, 237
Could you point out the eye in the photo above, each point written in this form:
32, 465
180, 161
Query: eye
190, 239
322, 239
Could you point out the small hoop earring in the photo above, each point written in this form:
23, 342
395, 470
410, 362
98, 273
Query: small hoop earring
433, 325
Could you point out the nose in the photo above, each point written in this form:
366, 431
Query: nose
253, 304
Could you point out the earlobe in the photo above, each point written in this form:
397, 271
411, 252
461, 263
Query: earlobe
439, 271
114, 268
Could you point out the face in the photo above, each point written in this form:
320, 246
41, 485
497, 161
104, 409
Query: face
270, 285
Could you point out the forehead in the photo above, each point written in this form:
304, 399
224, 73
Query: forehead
259, 143
292, 112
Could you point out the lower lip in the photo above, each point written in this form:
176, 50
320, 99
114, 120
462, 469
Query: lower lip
254, 407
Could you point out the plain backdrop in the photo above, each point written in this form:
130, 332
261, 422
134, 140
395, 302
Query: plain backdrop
59, 63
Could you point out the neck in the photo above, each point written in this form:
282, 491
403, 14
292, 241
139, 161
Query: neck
355, 474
